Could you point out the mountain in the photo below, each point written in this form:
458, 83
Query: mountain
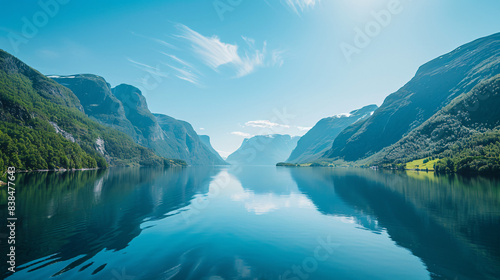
205, 139
470, 113
465, 133
317, 141
435, 84
125, 109
137, 112
95, 95
186, 142
264, 150
43, 126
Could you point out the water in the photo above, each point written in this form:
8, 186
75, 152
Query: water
254, 223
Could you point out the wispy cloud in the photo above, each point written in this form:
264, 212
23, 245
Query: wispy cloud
242, 134
210, 51
277, 57
300, 5
159, 41
155, 71
184, 71
178, 60
215, 53
265, 124
185, 74
249, 41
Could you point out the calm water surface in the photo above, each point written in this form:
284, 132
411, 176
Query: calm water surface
254, 223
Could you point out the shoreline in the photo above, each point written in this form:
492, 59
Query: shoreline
79, 169
57, 170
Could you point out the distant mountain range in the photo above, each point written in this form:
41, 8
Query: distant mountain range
124, 108
319, 139
264, 150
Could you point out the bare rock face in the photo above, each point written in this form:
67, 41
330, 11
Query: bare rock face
65, 134
100, 146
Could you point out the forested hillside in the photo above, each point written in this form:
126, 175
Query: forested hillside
476, 154
475, 112
42, 126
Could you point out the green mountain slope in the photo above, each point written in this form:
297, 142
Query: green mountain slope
435, 84
317, 141
42, 126
471, 113
476, 154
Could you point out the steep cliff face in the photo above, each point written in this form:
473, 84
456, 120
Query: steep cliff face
317, 141
96, 96
125, 109
205, 139
137, 112
186, 143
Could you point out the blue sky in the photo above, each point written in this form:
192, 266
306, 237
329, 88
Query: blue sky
235, 68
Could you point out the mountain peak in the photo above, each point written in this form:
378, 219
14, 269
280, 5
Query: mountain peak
128, 88
264, 150
130, 96
366, 109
